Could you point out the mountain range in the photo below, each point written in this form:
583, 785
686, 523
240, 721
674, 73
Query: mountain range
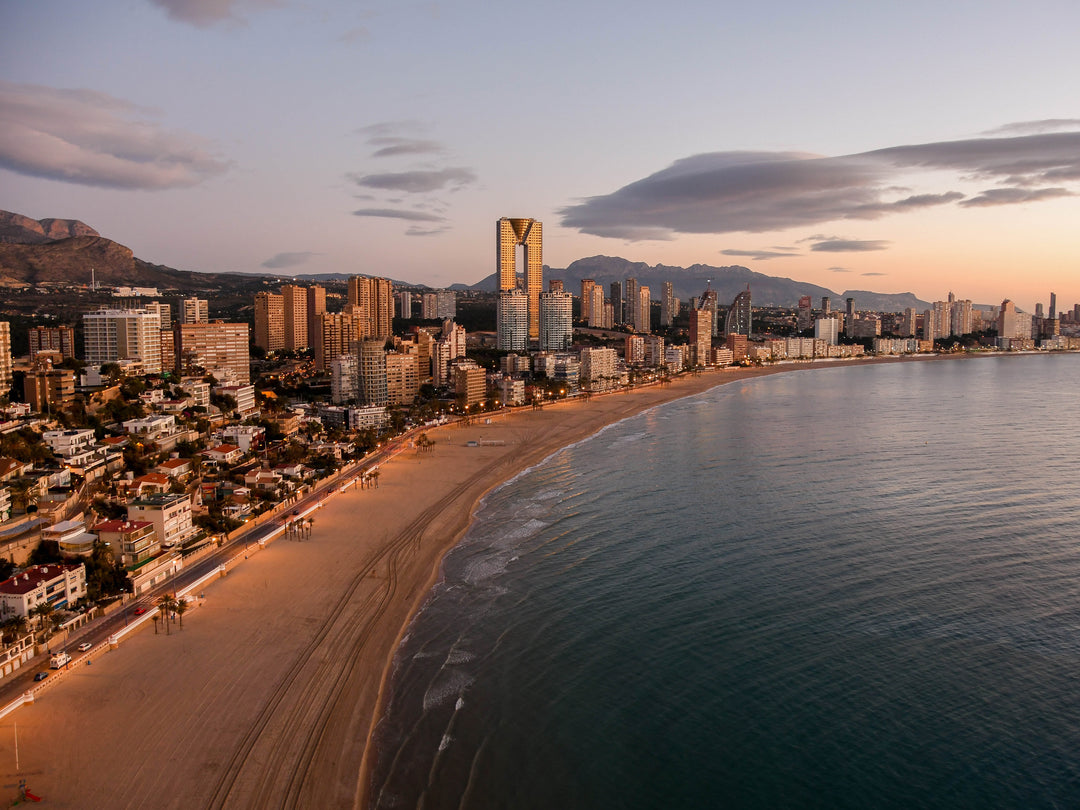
54, 250
766, 291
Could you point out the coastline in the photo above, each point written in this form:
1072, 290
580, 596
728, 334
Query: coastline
270, 694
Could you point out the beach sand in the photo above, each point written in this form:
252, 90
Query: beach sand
268, 694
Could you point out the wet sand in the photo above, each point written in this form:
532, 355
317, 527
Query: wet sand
268, 694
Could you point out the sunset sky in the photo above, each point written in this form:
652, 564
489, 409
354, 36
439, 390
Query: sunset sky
917, 147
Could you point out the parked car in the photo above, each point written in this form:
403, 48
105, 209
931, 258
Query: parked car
41, 676
86, 645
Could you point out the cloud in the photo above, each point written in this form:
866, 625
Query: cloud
396, 147
755, 192
417, 182
759, 255
1031, 127
1012, 196
874, 274
839, 269
204, 13
94, 139
849, 245
288, 259
414, 230
393, 213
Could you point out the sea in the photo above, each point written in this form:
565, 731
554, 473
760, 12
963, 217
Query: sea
852, 586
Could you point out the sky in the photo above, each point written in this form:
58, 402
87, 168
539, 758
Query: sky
895, 147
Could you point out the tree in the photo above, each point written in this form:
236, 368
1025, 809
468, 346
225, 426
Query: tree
14, 627
43, 611
165, 604
181, 608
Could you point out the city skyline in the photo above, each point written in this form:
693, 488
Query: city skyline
807, 143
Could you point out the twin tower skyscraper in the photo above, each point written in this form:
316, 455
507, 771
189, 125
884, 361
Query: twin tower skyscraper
511, 233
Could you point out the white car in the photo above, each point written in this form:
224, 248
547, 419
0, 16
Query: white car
86, 645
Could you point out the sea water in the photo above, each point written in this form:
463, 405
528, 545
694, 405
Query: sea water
846, 587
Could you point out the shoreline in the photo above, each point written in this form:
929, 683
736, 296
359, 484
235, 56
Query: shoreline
271, 693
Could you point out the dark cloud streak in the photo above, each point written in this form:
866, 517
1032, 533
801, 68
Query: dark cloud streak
755, 192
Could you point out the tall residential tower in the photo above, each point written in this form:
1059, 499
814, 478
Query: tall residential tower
509, 233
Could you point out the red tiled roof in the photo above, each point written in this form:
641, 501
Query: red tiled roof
32, 578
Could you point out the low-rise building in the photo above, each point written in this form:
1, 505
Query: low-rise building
59, 585
71, 537
131, 541
170, 514
225, 454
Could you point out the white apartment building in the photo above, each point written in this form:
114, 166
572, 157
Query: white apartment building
60, 585
170, 514
69, 442
124, 336
599, 369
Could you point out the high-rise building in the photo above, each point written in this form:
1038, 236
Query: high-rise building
599, 368
164, 312
617, 301
48, 389
512, 321
344, 379
826, 306
701, 336
269, 321
509, 233
642, 309
804, 318
404, 304
709, 301
196, 310
216, 348
1008, 325
556, 285
1053, 306
849, 318
630, 300
739, 316
296, 318
124, 336
371, 369
53, 339
446, 304
668, 304
960, 317
402, 378
556, 321
5, 357
338, 332
635, 350
587, 286
596, 307
907, 328
372, 300
827, 329
429, 306
316, 306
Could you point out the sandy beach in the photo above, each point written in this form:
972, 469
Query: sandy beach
268, 694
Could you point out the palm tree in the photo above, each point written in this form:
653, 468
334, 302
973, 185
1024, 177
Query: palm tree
165, 603
181, 608
375, 477
308, 525
43, 611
